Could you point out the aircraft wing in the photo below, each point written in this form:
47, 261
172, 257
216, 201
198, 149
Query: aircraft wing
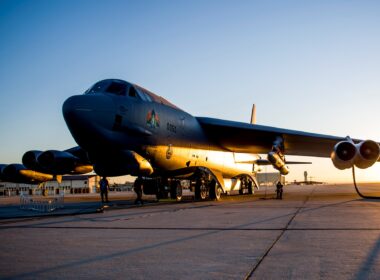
251, 138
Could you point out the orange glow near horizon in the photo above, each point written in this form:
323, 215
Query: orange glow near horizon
323, 170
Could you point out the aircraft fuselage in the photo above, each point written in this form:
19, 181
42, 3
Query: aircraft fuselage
105, 123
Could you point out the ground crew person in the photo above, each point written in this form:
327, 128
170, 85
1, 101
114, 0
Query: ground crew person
138, 188
104, 189
279, 190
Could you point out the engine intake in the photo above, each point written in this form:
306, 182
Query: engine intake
368, 154
347, 154
29, 159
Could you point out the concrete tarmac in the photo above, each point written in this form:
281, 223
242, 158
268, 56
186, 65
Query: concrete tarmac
315, 232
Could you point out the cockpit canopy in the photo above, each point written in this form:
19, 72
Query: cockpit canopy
113, 86
123, 88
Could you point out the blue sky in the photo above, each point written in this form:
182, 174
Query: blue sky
307, 65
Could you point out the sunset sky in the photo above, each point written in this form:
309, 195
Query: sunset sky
307, 65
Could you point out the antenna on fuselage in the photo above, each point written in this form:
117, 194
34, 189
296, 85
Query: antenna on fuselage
253, 114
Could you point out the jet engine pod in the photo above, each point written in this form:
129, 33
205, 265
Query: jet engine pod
57, 162
12, 170
29, 159
343, 155
2, 166
11, 173
368, 153
18, 173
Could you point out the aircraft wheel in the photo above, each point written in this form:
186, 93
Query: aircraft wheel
215, 190
243, 186
201, 190
250, 187
218, 192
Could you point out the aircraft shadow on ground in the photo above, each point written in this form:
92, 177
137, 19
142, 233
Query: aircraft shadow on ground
364, 271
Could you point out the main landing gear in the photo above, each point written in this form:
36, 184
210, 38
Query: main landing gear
206, 187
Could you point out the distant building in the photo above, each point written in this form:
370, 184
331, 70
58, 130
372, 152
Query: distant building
73, 184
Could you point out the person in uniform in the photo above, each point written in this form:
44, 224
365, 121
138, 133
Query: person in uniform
103, 183
279, 190
138, 188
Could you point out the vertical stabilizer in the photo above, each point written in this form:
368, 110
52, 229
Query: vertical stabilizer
253, 114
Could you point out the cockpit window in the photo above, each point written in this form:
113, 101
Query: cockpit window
132, 92
143, 95
98, 87
117, 88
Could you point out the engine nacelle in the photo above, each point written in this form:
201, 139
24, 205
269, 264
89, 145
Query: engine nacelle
18, 173
57, 162
278, 163
368, 153
2, 177
347, 154
11, 173
343, 155
29, 160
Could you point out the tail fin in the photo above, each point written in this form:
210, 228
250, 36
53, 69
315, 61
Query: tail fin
253, 114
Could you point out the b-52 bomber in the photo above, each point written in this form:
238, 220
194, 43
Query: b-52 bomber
122, 128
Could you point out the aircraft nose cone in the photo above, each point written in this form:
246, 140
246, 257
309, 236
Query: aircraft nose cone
80, 106
87, 116
77, 104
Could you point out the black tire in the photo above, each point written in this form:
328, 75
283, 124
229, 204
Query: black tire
250, 187
242, 187
213, 187
216, 190
201, 190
